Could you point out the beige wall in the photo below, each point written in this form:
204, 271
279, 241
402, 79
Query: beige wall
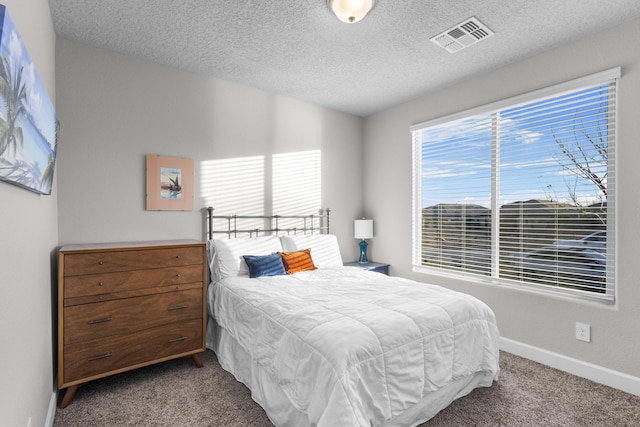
29, 230
541, 321
116, 109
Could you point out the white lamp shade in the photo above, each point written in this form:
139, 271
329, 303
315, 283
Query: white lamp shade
363, 228
350, 11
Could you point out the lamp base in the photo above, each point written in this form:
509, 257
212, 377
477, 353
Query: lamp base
363, 252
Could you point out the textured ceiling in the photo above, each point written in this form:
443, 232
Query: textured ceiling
298, 48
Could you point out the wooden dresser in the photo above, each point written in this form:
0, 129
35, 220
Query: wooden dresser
127, 305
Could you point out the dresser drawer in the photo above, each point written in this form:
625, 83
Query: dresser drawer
100, 357
125, 316
96, 284
102, 262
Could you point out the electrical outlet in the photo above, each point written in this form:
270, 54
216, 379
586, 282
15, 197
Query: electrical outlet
583, 332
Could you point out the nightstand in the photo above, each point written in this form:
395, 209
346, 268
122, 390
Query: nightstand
371, 266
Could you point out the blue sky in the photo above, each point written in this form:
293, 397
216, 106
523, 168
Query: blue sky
457, 156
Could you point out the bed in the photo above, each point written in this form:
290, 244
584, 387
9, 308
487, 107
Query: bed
327, 345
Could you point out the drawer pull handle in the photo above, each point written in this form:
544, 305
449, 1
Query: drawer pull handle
93, 322
178, 275
100, 283
177, 339
178, 257
100, 262
178, 307
98, 357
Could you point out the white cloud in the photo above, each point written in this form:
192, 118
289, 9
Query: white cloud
15, 47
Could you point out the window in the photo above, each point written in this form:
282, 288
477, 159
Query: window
522, 191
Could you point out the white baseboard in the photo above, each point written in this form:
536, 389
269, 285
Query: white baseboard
51, 412
599, 374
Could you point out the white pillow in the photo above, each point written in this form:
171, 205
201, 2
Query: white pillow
325, 251
225, 255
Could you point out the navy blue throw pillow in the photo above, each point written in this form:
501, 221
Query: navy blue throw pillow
265, 265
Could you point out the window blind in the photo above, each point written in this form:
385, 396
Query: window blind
522, 190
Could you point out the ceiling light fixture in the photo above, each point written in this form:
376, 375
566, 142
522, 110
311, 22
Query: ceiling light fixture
350, 11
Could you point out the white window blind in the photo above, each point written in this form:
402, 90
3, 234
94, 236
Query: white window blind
522, 190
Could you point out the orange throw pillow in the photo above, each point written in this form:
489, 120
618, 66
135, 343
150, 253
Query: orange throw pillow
297, 261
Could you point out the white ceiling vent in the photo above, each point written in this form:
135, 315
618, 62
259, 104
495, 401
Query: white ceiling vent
462, 35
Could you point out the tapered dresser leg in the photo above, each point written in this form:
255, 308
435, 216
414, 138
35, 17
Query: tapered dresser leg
68, 396
197, 360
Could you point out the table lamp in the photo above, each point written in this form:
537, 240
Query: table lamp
363, 229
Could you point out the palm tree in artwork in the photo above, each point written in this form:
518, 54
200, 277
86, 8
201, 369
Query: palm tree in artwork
14, 93
47, 176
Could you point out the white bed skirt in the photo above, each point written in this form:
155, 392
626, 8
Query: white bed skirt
282, 413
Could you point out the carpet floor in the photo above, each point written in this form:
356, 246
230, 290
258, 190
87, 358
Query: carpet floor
176, 394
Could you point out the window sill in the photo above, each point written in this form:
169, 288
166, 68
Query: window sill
547, 291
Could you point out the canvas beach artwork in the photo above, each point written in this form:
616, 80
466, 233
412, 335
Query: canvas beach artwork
28, 124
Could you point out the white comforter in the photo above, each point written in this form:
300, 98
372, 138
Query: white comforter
355, 348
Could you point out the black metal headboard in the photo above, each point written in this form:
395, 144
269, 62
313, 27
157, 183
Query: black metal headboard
273, 224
